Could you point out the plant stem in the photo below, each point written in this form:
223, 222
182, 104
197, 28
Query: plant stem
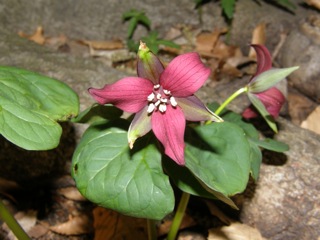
14, 226
178, 216
229, 99
152, 232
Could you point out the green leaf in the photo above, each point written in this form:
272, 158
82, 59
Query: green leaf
272, 145
109, 174
219, 156
97, 113
30, 105
228, 7
135, 17
153, 42
255, 159
251, 134
184, 179
269, 78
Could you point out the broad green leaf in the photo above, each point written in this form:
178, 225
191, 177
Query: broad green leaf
184, 179
228, 7
132, 27
111, 175
97, 113
219, 155
255, 159
30, 105
263, 111
269, 78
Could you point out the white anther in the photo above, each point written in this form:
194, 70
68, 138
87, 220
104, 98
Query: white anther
173, 101
156, 87
162, 108
151, 108
159, 96
157, 103
164, 100
166, 92
151, 97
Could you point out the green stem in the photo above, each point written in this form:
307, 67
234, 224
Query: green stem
178, 216
152, 232
7, 217
232, 97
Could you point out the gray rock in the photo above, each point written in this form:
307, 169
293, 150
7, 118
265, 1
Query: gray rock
302, 48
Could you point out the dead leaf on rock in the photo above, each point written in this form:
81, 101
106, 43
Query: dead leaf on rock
103, 45
314, 3
206, 42
258, 37
77, 225
312, 121
109, 224
38, 230
37, 37
236, 231
71, 193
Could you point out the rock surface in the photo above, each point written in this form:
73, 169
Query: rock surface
285, 204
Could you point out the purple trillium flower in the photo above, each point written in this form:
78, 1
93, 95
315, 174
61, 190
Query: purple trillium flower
271, 98
162, 98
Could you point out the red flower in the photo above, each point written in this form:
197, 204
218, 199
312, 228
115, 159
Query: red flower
162, 99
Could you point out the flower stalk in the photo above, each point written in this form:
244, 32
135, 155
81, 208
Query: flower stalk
14, 226
178, 216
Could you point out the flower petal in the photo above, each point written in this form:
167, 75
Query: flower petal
195, 110
264, 60
184, 75
149, 66
129, 94
140, 125
169, 129
272, 100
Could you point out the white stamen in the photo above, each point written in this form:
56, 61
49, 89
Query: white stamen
162, 107
164, 100
173, 101
156, 87
166, 92
151, 97
157, 103
159, 96
151, 108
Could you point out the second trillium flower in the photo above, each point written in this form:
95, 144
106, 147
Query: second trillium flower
162, 99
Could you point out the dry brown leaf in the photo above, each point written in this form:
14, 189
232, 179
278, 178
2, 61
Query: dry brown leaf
37, 37
314, 3
77, 225
103, 45
236, 231
206, 42
312, 121
38, 230
187, 221
215, 211
109, 224
258, 37
71, 193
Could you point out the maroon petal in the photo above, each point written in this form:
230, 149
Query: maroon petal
264, 60
184, 75
169, 129
129, 94
272, 99
149, 66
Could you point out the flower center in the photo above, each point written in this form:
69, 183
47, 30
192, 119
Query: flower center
159, 99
